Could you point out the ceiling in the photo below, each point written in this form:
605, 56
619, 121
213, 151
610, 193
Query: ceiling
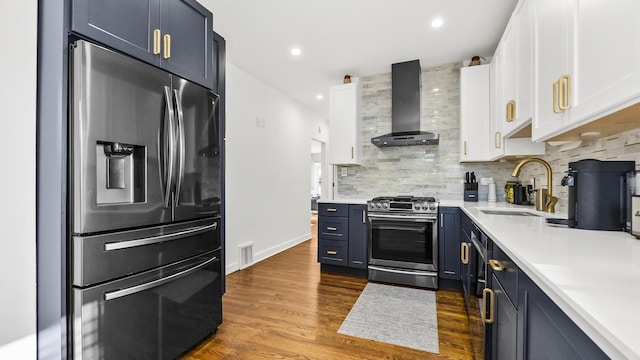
355, 37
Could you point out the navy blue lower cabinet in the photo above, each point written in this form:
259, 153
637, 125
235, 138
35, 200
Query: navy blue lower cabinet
503, 318
546, 332
449, 262
343, 238
358, 236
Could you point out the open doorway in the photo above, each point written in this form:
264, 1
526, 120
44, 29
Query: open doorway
318, 186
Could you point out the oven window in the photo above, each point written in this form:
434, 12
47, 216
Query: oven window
402, 241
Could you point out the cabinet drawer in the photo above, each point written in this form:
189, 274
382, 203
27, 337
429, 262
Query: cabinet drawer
333, 228
332, 252
341, 210
506, 272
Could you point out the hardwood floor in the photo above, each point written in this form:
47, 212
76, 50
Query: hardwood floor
285, 308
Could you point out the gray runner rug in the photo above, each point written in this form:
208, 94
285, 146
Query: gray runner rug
395, 315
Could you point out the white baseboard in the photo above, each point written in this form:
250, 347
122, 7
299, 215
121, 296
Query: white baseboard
267, 253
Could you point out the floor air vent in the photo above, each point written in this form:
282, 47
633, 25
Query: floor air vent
246, 255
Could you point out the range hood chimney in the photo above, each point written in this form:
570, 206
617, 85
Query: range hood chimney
405, 109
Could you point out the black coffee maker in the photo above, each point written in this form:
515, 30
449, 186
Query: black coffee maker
598, 198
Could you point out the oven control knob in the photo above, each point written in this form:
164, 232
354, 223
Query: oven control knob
432, 207
385, 205
372, 206
378, 205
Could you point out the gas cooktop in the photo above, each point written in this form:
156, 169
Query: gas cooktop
404, 203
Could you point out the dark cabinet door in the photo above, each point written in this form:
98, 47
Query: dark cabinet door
219, 60
189, 26
358, 236
176, 35
124, 25
449, 243
505, 324
546, 332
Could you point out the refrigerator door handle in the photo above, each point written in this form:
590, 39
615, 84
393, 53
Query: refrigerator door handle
112, 295
119, 245
181, 146
170, 151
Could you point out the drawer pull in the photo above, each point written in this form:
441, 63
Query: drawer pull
332, 209
331, 228
488, 319
496, 265
330, 252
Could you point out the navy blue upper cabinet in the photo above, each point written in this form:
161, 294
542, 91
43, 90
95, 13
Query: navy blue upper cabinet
176, 35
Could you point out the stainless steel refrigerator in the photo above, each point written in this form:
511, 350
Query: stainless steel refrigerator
144, 198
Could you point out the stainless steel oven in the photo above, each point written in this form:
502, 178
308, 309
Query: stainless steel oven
403, 241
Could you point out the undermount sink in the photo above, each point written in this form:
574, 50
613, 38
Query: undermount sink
508, 212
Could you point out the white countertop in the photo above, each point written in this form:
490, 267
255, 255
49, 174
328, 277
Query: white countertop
593, 276
344, 201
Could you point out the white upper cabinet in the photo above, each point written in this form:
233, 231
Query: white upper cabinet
345, 147
523, 52
511, 95
475, 100
506, 80
515, 72
587, 63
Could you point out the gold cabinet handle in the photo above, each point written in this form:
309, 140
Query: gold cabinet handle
464, 253
352, 151
498, 139
465, 148
511, 110
156, 42
329, 252
565, 92
496, 265
331, 228
167, 46
507, 107
332, 209
488, 293
556, 107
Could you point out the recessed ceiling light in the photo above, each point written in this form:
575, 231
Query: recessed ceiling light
436, 89
319, 97
296, 51
437, 22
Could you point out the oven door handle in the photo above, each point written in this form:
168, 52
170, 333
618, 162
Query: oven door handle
416, 273
404, 217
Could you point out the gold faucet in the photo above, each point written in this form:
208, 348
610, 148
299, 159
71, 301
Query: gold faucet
550, 206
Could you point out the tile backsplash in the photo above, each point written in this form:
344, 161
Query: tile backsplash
417, 170
434, 169
621, 147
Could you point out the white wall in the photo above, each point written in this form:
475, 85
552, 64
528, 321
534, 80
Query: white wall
268, 137
18, 26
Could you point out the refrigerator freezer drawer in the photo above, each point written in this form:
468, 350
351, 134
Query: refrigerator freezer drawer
100, 258
157, 314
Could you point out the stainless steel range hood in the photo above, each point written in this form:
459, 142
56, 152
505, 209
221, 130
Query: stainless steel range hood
405, 109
